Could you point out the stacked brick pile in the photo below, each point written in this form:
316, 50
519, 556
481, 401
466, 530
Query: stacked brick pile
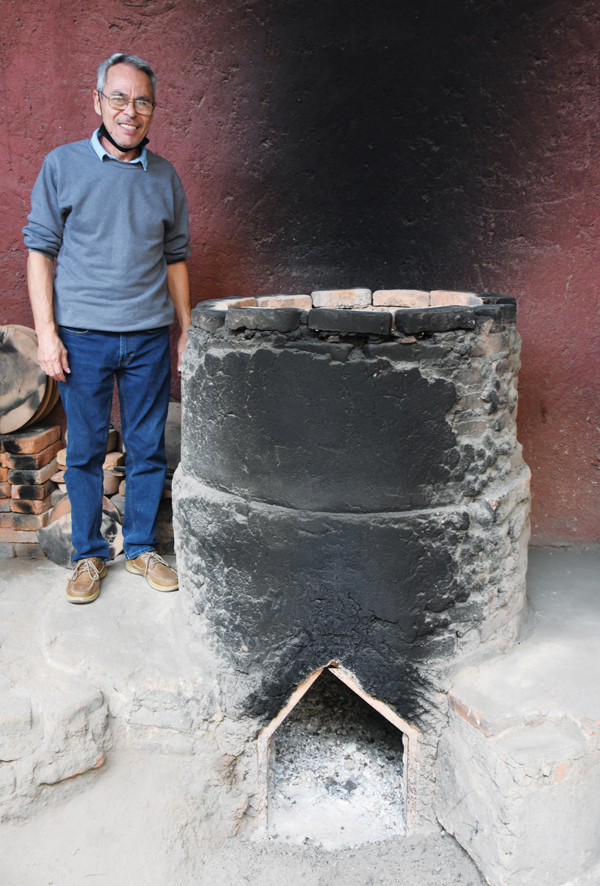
27, 463
112, 467
32, 465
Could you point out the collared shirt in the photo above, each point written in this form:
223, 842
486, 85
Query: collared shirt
102, 153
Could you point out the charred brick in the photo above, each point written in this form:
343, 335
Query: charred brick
413, 321
348, 322
501, 312
276, 319
496, 298
208, 319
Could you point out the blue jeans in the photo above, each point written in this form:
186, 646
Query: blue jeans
140, 362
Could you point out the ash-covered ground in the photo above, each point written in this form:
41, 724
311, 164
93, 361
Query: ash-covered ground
337, 778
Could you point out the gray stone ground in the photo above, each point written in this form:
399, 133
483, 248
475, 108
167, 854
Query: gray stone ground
148, 815
126, 829
143, 817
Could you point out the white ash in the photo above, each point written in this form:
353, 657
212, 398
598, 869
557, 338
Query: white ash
337, 771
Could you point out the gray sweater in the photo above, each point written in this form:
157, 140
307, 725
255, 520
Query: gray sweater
113, 227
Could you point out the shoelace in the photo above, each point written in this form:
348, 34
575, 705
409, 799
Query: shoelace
150, 558
81, 565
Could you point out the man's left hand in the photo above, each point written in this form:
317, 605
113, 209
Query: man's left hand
178, 284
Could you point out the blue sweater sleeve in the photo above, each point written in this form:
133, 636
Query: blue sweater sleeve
44, 233
177, 236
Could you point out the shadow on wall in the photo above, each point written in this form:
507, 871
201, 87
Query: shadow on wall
387, 127
447, 145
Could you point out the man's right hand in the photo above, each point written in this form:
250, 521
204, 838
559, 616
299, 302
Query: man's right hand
52, 355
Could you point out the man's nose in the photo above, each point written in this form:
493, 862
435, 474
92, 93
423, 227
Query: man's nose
130, 101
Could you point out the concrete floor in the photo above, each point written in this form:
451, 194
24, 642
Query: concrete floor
134, 819
518, 767
556, 666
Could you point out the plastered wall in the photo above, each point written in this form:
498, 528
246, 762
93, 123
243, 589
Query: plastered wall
379, 144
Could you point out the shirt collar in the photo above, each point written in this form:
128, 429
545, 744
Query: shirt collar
102, 153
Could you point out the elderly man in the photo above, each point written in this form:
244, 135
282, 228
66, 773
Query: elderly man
107, 239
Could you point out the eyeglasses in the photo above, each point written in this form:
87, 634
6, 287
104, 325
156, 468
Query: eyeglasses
120, 102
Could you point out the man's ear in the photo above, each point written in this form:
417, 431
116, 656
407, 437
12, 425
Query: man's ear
97, 107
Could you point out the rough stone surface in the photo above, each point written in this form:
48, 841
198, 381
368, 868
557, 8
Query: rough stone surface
287, 453
356, 502
59, 674
518, 772
50, 728
248, 560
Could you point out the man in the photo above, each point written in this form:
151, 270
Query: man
107, 239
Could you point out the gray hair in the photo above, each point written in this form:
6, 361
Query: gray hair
122, 58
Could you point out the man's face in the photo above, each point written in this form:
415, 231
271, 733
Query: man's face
127, 127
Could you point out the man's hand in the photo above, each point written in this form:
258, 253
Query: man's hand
52, 355
178, 285
181, 348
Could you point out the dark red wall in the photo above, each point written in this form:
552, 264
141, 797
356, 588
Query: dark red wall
382, 143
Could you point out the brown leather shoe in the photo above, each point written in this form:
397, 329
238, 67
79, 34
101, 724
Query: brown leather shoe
156, 571
84, 584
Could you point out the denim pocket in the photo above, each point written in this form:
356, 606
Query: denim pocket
71, 330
